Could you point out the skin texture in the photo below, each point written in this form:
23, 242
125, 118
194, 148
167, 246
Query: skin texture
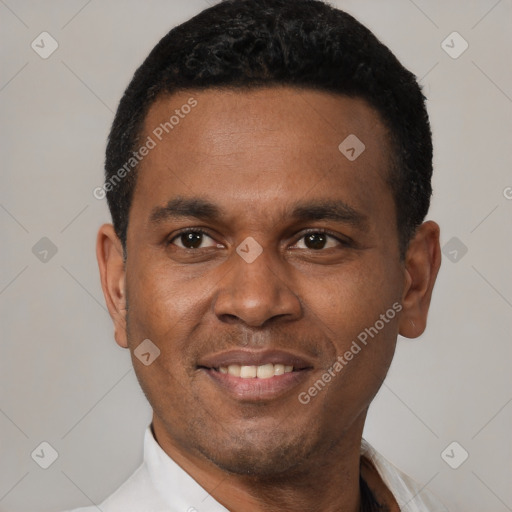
253, 154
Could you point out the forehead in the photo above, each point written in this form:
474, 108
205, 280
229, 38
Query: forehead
317, 119
259, 148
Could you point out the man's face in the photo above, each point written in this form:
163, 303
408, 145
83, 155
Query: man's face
261, 158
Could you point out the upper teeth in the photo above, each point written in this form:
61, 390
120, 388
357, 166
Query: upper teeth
264, 371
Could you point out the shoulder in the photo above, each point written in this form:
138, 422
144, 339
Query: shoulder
135, 494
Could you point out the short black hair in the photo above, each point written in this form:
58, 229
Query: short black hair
242, 44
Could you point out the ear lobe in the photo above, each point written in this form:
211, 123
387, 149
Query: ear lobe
422, 263
109, 253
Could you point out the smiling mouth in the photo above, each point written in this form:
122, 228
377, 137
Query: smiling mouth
255, 376
264, 371
251, 383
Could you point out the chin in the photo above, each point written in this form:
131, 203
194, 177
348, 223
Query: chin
259, 455
258, 463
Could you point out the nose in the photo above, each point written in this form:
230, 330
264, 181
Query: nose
256, 293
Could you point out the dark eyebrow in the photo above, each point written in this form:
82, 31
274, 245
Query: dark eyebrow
328, 209
185, 207
335, 210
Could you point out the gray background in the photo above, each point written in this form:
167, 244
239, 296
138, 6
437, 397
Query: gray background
63, 379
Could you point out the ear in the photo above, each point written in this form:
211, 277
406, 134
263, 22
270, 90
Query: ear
422, 262
109, 253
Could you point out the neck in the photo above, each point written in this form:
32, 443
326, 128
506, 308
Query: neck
327, 482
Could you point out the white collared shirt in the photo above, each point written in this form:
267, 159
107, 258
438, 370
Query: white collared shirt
160, 485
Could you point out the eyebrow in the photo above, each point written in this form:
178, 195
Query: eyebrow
195, 207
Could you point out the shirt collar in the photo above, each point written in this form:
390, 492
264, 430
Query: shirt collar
181, 492
175, 486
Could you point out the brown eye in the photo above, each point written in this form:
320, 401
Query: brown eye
319, 240
191, 239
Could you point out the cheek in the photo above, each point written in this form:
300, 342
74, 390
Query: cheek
350, 301
162, 301
164, 311
358, 311
362, 327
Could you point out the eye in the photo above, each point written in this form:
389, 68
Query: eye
191, 239
317, 240
197, 238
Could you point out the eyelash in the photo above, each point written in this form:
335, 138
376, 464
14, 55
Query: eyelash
343, 243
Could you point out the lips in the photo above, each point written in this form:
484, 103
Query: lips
255, 375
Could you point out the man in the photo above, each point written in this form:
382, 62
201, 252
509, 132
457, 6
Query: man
268, 174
